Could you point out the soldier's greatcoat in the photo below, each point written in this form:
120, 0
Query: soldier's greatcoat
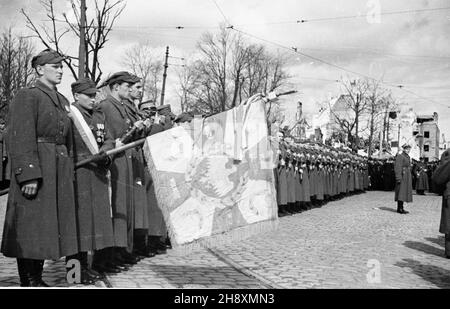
291, 179
441, 176
139, 187
422, 178
282, 178
122, 200
39, 146
403, 177
95, 229
306, 184
298, 184
320, 183
156, 224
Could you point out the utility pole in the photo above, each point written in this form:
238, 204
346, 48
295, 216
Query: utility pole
166, 65
82, 47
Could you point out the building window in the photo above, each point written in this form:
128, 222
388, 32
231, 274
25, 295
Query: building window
426, 148
426, 134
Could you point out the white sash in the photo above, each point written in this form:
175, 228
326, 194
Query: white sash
85, 132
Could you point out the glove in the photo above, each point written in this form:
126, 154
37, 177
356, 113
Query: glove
30, 189
101, 159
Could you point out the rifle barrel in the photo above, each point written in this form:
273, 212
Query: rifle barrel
112, 152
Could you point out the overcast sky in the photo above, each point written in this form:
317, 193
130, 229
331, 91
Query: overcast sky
406, 49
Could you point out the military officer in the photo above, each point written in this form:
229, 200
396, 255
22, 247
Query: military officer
166, 116
422, 177
40, 219
403, 179
122, 124
157, 230
95, 230
441, 177
141, 208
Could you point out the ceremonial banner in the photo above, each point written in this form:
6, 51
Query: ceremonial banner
214, 178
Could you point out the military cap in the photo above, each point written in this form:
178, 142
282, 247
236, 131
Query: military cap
165, 110
184, 117
85, 86
135, 79
406, 146
147, 104
121, 77
46, 56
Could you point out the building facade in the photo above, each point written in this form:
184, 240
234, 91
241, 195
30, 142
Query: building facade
429, 136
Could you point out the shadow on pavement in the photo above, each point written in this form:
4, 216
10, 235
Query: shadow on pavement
440, 240
436, 275
388, 209
420, 246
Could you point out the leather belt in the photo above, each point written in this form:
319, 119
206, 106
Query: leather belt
51, 140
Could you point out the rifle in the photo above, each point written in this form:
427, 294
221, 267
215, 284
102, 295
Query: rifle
101, 156
98, 157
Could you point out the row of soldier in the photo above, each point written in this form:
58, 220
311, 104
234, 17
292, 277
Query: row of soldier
107, 207
309, 175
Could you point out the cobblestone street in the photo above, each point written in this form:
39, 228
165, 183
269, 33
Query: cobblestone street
327, 247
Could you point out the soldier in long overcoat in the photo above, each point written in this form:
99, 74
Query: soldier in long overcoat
441, 177
95, 229
320, 180
120, 122
304, 178
141, 202
40, 217
403, 179
291, 180
282, 189
422, 178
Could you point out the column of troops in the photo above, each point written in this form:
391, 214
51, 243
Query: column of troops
309, 175
108, 207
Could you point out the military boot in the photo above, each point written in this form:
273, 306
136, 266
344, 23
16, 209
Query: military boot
24, 274
36, 269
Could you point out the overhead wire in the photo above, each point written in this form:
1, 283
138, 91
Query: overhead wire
295, 50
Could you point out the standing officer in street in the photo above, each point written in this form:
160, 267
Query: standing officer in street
40, 219
441, 177
403, 179
91, 136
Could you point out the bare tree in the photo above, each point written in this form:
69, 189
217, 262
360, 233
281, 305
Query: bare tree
15, 67
97, 29
141, 61
353, 105
229, 70
376, 97
188, 79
